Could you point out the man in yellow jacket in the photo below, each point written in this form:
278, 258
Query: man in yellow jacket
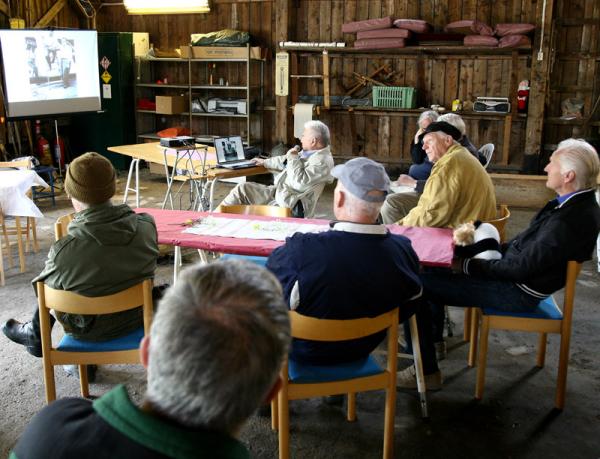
458, 189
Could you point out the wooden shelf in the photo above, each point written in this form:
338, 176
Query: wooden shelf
475, 52
167, 86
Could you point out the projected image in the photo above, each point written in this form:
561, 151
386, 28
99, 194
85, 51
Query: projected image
52, 66
50, 71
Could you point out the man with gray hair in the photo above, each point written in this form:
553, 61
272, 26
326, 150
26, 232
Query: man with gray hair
304, 172
534, 263
448, 198
213, 356
357, 269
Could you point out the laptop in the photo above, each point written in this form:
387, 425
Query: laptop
230, 153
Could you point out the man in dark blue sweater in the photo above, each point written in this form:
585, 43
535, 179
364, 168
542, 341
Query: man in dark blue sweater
358, 269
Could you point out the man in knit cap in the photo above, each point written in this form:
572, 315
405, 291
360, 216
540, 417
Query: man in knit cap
107, 249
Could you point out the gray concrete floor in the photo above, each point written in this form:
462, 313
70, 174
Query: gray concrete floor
515, 418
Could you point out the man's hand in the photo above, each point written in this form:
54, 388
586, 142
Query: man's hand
419, 132
406, 180
259, 161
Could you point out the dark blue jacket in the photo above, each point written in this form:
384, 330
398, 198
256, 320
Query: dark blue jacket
346, 275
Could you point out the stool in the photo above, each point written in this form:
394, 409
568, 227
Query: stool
48, 171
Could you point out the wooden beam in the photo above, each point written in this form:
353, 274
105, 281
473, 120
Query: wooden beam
540, 74
282, 26
4, 8
50, 14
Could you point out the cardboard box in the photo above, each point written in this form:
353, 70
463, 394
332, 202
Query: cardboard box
219, 52
171, 105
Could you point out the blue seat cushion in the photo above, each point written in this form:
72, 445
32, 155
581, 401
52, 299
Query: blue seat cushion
303, 373
546, 309
123, 343
262, 261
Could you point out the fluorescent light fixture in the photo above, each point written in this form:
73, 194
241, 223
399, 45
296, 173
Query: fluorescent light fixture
166, 6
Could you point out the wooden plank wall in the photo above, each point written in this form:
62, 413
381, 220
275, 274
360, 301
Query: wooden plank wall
386, 136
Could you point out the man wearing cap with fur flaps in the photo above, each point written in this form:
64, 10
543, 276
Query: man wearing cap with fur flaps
107, 249
357, 269
458, 190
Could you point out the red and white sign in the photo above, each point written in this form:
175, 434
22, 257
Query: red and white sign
104, 62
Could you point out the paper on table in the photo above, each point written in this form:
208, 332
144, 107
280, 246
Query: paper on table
276, 230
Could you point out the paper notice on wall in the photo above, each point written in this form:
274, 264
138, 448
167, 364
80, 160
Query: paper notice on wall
106, 91
302, 114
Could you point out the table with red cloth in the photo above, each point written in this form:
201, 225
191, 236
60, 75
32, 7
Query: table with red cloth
434, 246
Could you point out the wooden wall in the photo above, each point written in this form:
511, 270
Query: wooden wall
574, 32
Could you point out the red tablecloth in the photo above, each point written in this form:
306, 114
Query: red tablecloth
434, 246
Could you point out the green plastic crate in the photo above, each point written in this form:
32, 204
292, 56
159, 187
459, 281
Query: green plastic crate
394, 97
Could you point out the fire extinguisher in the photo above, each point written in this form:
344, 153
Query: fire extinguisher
522, 96
42, 146
59, 150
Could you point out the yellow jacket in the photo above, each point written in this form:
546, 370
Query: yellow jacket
457, 191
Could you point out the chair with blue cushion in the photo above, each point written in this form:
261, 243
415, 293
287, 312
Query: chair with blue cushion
546, 318
75, 352
306, 381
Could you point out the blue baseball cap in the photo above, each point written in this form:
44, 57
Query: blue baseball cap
362, 177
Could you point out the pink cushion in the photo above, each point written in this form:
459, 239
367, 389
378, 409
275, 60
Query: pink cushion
379, 43
368, 24
513, 29
384, 33
468, 27
414, 25
480, 40
514, 41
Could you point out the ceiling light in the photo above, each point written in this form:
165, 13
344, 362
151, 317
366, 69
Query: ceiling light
166, 6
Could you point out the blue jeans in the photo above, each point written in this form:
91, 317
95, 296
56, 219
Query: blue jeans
446, 288
420, 171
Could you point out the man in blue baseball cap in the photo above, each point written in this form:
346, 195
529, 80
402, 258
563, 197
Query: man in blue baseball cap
357, 269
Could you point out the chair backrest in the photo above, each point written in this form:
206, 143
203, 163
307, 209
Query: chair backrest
61, 226
487, 151
501, 221
314, 329
270, 211
22, 163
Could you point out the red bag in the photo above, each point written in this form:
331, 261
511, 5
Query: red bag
173, 132
384, 33
468, 27
514, 41
380, 43
368, 24
480, 40
414, 25
513, 29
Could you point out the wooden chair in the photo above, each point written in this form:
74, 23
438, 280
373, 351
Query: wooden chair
304, 327
471, 320
71, 351
29, 229
61, 226
548, 318
270, 211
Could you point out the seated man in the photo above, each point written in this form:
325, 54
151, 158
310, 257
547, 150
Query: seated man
200, 391
534, 263
302, 169
108, 249
458, 189
357, 269
421, 166
457, 121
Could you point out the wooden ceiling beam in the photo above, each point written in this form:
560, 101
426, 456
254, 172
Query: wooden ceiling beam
50, 14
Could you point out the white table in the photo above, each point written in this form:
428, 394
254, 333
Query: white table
14, 185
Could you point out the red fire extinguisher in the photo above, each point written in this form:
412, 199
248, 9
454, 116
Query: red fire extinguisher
523, 96
59, 150
42, 146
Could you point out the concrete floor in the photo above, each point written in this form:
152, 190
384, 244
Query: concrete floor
515, 418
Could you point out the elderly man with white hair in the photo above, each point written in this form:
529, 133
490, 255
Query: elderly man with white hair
213, 357
534, 263
458, 189
301, 170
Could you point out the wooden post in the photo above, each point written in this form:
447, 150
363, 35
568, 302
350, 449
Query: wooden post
282, 24
539, 84
326, 101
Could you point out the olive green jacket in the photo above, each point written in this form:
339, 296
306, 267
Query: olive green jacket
107, 249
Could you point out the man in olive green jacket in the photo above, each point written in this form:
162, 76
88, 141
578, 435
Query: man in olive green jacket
107, 249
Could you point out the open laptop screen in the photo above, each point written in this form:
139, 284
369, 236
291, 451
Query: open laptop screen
229, 149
